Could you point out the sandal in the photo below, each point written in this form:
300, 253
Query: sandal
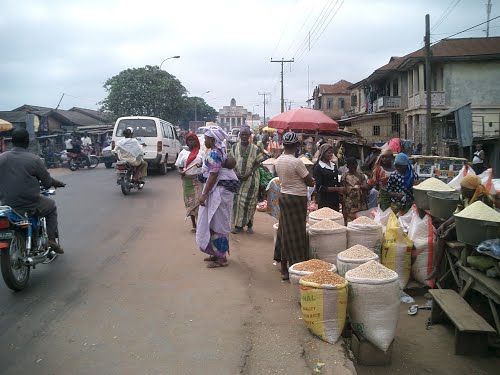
216, 264
211, 258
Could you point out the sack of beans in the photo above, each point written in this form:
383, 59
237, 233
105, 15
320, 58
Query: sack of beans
353, 257
323, 301
396, 251
326, 239
374, 302
365, 231
421, 233
297, 270
326, 213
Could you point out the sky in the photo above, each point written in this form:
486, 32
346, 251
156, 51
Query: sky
71, 47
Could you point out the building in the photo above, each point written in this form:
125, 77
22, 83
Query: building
391, 102
333, 100
233, 116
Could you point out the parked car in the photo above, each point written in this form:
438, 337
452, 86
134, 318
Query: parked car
107, 157
162, 145
233, 136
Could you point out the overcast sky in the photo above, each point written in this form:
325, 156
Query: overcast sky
53, 47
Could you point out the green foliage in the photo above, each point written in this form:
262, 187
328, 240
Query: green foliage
204, 112
146, 91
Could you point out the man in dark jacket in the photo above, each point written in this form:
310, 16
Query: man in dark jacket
21, 175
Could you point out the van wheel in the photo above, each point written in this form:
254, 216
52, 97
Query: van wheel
163, 169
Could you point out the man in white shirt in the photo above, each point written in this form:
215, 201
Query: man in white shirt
86, 141
130, 150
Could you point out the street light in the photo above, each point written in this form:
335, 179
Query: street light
253, 110
196, 102
168, 58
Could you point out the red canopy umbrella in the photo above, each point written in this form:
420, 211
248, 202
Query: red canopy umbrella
303, 119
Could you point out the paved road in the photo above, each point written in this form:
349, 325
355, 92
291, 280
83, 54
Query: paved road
132, 295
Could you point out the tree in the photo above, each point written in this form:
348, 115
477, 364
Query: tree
204, 112
146, 91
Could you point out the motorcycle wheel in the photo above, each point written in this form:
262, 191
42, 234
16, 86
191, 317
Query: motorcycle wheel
125, 185
94, 162
73, 165
14, 272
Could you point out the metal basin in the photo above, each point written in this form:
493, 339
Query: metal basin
421, 199
443, 204
473, 232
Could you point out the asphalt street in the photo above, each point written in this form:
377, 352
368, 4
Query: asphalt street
132, 295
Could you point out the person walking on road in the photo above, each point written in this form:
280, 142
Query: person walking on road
189, 164
291, 242
216, 200
248, 158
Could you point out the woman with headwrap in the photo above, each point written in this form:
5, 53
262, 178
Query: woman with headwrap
291, 241
382, 170
472, 190
400, 184
216, 200
326, 174
248, 158
189, 165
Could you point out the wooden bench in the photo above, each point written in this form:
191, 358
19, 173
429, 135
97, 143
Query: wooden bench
471, 330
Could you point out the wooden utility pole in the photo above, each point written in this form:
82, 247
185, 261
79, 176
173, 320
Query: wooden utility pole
282, 61
264, 94
488, 13
428, 89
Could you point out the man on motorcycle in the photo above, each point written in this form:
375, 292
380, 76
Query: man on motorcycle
22, 173
130, 150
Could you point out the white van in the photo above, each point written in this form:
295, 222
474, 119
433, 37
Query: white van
159, 136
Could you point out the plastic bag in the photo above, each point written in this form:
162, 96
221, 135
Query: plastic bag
382, 217
396, 251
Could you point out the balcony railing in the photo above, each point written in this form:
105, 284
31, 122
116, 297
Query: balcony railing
419, 100
388, 102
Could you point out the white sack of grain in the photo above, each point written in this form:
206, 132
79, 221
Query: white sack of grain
365, 231
323, 301
275, 232
353, 257
326, 239
422, 234
396, 250
297, 270
374, 302
382, 217
325, 213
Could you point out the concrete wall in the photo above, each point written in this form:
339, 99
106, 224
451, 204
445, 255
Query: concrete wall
335, 111
365, 126
476, 82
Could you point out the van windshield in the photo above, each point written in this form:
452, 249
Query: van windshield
141, 127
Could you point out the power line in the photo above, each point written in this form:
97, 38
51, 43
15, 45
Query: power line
284, 28
470, 28
445, 14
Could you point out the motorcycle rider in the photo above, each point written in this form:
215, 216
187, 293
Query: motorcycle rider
130, 150
22, 174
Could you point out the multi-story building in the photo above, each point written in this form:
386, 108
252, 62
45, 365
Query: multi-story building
233, 116
333, 100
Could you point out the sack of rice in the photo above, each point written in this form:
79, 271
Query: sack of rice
421, 233
353, 257
396, 251
326, 240
365, 231
433, 184
374, 302
297, 270
323, 301
326, 213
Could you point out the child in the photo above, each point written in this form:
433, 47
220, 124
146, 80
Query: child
355, 196
229, 163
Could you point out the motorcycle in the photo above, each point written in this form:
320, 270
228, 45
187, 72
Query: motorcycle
85, 159
125, 173
23, 245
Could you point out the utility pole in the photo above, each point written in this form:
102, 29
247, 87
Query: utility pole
282, 61
428, 80
264, 94
488, 13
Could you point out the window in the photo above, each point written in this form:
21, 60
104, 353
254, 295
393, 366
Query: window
341, 103
141, 127
396, 122
376, 129
395, 88
354, 100
329, 103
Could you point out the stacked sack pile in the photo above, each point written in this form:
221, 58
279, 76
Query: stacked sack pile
327, 234
365, 231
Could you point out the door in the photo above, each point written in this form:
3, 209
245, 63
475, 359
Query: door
167, 143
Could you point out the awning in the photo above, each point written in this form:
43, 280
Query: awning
451, 110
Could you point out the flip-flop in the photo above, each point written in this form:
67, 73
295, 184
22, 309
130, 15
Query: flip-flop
211, 258
413, 310
216, 265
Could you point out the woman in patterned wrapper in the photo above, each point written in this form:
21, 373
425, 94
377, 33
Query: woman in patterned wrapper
400, 184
